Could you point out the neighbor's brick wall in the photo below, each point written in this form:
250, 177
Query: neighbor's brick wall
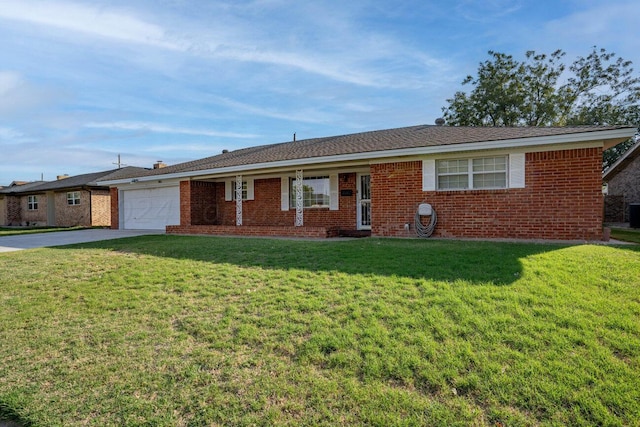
100, 208
14, 210
115, 214
3, 210
614, 208
35, 217
76, 215
562, 200
627, 184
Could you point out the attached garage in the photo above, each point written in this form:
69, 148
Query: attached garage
150, 208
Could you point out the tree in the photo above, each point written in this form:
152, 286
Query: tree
541, 90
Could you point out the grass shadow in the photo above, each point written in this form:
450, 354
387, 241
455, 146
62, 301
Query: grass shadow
441, 260
10, 418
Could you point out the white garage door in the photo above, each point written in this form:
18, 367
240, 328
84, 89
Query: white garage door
151, 208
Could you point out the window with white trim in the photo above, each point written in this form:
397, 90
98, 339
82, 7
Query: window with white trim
474, 173
316, 192
73, 198
32, 203
247, 189
244, 190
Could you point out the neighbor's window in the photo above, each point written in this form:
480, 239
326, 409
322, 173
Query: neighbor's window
73, 198
244, 190
482, 173
32, 203
315, 192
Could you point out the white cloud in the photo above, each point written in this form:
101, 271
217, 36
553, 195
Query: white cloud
159, 128
601, 25
96, 21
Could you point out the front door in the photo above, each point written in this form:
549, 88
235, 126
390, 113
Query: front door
364, 202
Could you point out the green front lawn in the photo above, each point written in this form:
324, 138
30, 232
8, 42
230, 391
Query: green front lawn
198, 331
626, 234
11, 231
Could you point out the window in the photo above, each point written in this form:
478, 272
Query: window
244, 190
32, 203
507, 171
73, 198
230, 189
316, 192
481, 173
453, 174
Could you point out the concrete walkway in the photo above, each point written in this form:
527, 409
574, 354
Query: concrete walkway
58, 238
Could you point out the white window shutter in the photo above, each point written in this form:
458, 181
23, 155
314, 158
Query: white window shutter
429, 175
284, 193
250, 192
516, 170
333, 192
228, 190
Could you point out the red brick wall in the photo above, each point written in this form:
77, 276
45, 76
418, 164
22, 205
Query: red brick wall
562, 200
115, 216
203, 204
185, 202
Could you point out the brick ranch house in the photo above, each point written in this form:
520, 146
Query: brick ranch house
68, 201
482, 182
623, 185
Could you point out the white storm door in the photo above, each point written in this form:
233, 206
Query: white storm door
364, 202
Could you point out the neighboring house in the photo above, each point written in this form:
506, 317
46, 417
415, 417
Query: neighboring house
622, 180
482, 182
68, 201
10, 205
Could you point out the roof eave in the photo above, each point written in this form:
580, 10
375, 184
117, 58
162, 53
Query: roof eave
604, 136
615, 168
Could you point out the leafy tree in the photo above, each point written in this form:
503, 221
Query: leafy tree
541, 90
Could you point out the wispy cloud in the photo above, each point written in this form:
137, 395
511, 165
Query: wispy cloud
159, 128
602, 25
356, 62
91, 20
18, 95
305, 115
485, 11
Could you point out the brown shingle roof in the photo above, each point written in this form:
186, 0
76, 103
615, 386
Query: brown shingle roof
373, 141
77, 181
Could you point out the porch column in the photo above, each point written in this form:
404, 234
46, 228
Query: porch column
238, 200
299, 199
185, 203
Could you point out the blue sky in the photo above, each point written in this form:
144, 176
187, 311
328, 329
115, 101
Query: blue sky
177, 80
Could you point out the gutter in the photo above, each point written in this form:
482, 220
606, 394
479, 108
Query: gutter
614, 135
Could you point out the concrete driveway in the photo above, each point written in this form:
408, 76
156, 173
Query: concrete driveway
57, 238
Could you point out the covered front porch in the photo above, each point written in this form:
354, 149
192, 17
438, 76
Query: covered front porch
329, 203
